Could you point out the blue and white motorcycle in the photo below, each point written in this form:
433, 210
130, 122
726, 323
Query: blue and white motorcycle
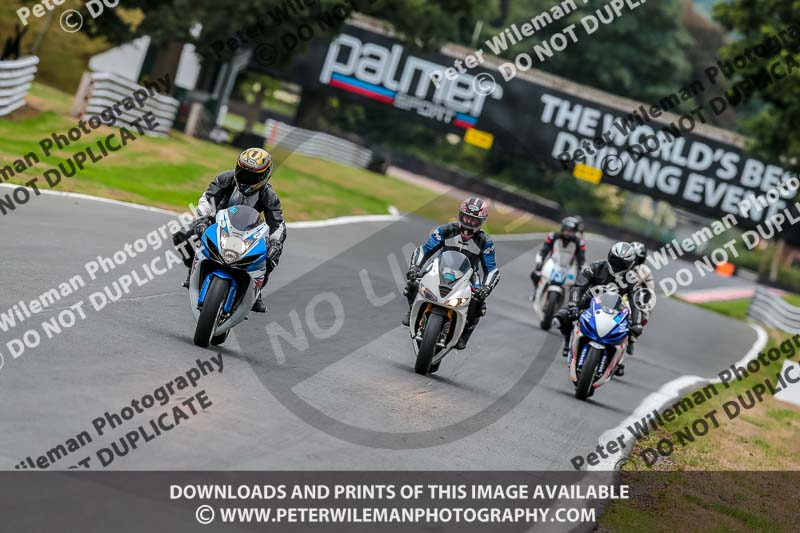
554, 283
228, 272
598, 343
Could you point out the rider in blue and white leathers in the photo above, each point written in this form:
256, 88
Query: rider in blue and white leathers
464, 236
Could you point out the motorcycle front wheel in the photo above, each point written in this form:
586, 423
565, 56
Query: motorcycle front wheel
549, 310
211, 311
427, 348
586, 379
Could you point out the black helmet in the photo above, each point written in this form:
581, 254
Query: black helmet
640, 251
621, 258
569, 226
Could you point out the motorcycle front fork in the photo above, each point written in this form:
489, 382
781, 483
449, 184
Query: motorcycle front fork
441, 343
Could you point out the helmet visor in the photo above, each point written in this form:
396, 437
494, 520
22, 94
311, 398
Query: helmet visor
618, 264
470, 222
249, 181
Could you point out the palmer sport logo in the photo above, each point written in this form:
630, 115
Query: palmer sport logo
379, 73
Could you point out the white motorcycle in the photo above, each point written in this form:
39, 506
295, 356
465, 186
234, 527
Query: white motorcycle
439, 312
554, 283
228, 272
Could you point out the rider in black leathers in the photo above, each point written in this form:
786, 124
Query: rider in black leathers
247, 185
571, 233
613, 270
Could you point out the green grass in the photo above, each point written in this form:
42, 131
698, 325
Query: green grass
733, 308
792, 299
762, 438
172, 172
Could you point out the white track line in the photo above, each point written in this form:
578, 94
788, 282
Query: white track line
659, 399
338, 221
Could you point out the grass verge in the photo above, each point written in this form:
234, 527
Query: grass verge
687, 485
172, 172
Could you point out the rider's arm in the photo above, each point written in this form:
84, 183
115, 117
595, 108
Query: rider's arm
636, 312
547, 247
582, 284
211, 198
430, 247
580, 252
274, 215
489, 261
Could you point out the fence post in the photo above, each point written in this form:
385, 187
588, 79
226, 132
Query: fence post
82, 95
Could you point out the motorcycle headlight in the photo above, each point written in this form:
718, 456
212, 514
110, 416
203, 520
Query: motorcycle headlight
232, 248
456, 302
428, 294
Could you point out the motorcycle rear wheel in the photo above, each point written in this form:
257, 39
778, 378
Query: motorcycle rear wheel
211, 311
427, 348
583, 389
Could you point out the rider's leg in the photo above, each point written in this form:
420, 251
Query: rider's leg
565, 327
183, 244
477, 309
411, 294
258, 305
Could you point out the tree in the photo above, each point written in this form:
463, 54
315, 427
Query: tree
776, 128
641, 54
420, 23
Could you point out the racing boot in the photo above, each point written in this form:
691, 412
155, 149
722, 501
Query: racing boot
535, 280
258, 305
620, 371
185, 284
407, 318
566, 349
631, 342
465, 335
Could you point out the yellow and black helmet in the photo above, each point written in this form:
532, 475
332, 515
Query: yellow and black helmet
253, 170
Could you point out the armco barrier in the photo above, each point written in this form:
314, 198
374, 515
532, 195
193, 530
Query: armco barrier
15, 82
101, 90
316, 144
772, 310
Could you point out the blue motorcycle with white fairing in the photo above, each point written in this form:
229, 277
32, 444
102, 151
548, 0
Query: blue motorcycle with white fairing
598, 343
228, 272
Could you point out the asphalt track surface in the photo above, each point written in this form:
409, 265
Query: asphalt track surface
347, 402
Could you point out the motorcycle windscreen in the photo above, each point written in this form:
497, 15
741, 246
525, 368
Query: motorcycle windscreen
245, 218
610, 302
452, 267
